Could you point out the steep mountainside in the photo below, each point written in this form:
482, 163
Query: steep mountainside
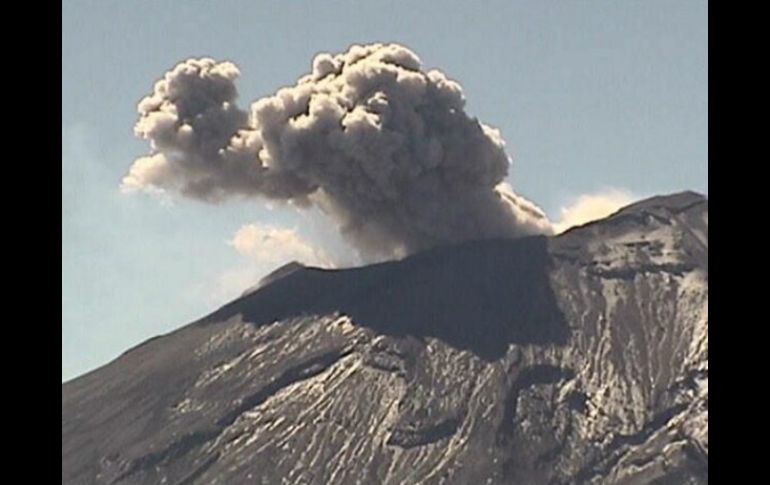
581, 358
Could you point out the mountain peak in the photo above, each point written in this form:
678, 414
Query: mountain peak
673, 202
580, 358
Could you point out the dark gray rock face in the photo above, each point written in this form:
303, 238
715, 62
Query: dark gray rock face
581, 358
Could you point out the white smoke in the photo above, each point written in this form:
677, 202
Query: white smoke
592, 207
271, 245
382, 146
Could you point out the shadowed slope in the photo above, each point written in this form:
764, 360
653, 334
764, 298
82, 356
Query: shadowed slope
480, 296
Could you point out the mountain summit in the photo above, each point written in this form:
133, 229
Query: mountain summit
580, 358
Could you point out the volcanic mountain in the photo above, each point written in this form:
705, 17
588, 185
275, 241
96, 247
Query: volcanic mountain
579, 358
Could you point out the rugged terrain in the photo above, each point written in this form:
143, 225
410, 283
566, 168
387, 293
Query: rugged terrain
581, 358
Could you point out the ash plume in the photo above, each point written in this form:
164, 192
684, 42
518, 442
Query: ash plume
382, 146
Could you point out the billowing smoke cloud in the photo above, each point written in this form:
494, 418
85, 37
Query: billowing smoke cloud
382, 146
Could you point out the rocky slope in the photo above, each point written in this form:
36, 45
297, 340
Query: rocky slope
581, 358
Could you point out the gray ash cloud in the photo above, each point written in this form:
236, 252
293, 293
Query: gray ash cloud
382, 146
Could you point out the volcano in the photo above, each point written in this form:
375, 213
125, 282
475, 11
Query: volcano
578, 358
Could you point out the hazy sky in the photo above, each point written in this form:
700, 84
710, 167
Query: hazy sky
590, 97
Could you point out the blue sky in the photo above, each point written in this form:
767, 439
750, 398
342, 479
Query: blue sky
589, 96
